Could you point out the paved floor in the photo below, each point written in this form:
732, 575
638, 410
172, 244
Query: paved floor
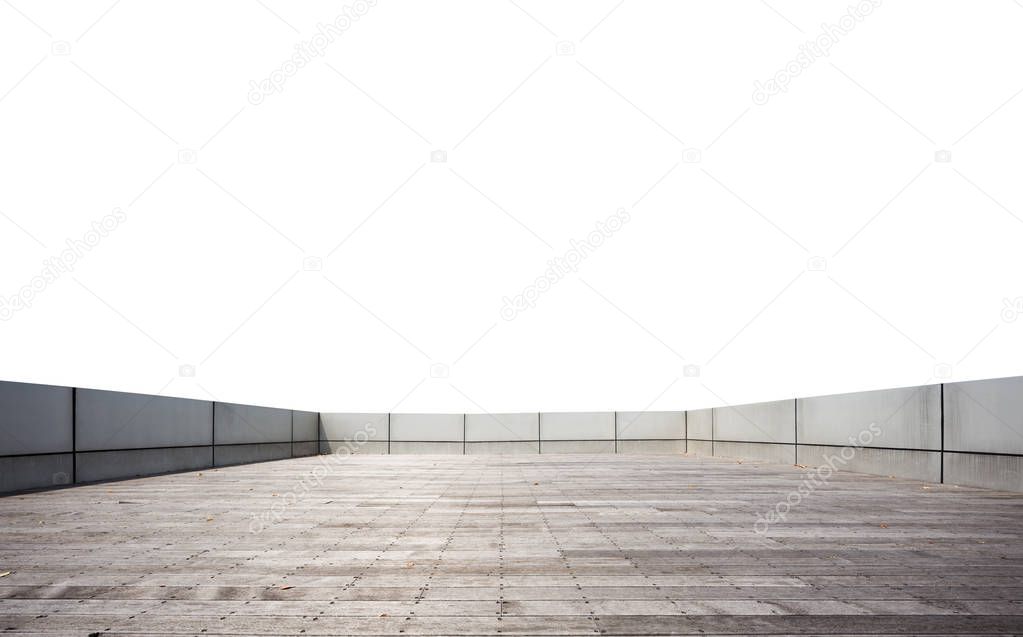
510, 545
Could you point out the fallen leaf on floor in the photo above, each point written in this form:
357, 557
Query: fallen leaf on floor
409, 564
5, 574
209, 519
383, 615
801, 466
883, 525
284, 588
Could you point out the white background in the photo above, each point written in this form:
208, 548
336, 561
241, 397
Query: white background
97, 100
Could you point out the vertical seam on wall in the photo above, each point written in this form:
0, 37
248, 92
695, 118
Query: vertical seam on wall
74, 435
388, 433
213, 434
685, 431
712, 431
319, 433
463, 434
292, 433
941, 454
795, 429
616, 432
539, 433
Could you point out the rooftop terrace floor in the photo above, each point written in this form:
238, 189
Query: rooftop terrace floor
610, 544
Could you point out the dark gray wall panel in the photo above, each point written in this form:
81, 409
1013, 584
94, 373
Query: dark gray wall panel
116, 420
35, 472
305, 427
242, 454
247, 424
34, 418
111, 465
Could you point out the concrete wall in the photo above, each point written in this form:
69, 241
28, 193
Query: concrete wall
52, 436
968, 433
36, 436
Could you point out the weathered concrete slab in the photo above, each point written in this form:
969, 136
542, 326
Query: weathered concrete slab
985, 415
911, 464
651, 446
502, 427
989, 471
760, 451
337, 426
577, 446
428, 427
759, 422
699, 423
595, 425
651, 425
503, 448
551, 544
908, 418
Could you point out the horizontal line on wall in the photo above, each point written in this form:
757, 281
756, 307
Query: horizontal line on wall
35, 454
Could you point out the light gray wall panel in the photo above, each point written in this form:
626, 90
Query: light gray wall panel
985, 415
577, 446
342, 426
110, 465
426, 448
651, 425
700, 423
241, 454
758, 422
427, 427
908, 417
502, 427
596, 425
523, 447
652, 446
352, 447
236, 424
305, 427
700, 448
989, 472
909, 464
35, 472
116, 420
34, 418
302, 449
761, 452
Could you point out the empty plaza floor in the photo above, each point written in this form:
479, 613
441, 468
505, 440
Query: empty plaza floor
413, 545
